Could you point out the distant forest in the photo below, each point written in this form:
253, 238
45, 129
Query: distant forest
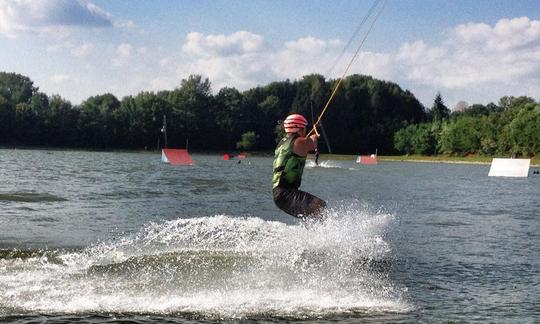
510, 128
365, 115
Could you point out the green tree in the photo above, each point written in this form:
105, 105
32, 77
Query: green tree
460, 136
418, 139
25, 121
490, 128
193, 111
522, 134
265, 106
7, 120
423, 140
474, 110
268, 109
229, 115
248, 141
403, 139
39, 104
16, 88
62, 125
363, 116
439, 111
279, 131
141, 120
310, 94
96, 124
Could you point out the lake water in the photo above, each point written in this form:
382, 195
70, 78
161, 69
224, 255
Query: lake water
103, 237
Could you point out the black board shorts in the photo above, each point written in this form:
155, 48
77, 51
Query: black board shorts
298, 203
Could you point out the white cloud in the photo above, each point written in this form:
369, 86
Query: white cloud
58, 47
472, 33
124, 50
127, 24
495, 60
476, 62
94, 16
476, 55
60, 78
123, 53
242, 60
49, 16
507, 34
82, 50
310, 46
142, 50
164, 62
238, 43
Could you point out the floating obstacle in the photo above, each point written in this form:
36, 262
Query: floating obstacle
367, 159
176, 157
518, 168
240, 156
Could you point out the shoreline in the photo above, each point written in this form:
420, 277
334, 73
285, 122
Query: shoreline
535, 162
479, 160
433, 161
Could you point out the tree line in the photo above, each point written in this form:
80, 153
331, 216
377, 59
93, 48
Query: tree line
509, 128
363, 116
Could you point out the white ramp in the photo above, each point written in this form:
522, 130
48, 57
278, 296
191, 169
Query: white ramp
510, 168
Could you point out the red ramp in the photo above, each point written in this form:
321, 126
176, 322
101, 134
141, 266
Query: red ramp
242, 155
367, 159
176, 157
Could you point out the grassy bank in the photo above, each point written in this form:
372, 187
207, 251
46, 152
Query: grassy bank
472, 159
475, 159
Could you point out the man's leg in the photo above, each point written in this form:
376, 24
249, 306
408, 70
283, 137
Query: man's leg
315, 207
299, 203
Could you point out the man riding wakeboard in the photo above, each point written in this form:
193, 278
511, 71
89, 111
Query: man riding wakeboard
289, 161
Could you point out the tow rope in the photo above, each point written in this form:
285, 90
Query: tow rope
336, 88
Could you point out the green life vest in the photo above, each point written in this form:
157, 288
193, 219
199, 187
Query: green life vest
288, 166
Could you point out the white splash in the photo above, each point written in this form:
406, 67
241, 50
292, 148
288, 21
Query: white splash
218, 266
310, 164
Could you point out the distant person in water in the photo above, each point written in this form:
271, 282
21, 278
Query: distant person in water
289, 161
317, 156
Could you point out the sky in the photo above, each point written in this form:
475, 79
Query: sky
474, 51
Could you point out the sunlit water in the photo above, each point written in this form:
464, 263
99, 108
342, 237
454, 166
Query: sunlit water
94, 237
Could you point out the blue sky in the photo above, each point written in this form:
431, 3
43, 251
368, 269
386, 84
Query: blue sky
473, 51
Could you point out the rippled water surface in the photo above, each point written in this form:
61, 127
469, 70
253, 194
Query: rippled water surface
103, 237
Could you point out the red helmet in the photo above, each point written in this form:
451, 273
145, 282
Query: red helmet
295, 122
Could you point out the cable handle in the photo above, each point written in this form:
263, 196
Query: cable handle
314, 130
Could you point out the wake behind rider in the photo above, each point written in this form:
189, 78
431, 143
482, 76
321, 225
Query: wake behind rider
289, 161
